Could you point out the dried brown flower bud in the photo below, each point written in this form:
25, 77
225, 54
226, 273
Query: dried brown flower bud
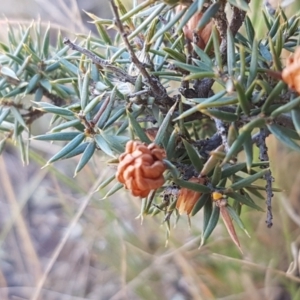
291, 74
187, 198
222, 204
189, 29
141, 168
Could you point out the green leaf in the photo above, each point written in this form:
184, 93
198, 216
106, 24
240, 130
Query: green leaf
86, 156
108, 109
3, 115
23, 149
192, 186
265, 53
191, 68
2, 145
275, 27
67, 148
244, 200
77, 150
255, 192
103, 145
189, 14
279, 45
171, 144
92, 104
71, 68
46, 42
76, 123
279, 134
221, 115
175, 54
231, 63
253, 63
249, 29
203, 56
286, 107
245, 131
236, 218
243, 101
248, 147
168, 26
103, 33
289, 132
57, 136
84, 91
208, 14
113, 190
138, 129
33, 54
275, 57
216, 43
52, 67
173, 170
115, 117
212, 223
23, 40
17, 116
200, 75
232, 169
235, 147
248, 180
295, 118
57, 111
6, 71
163, 128
216, 177
200, 203
106, 182
116, 142
33, 83
156, 12
214, 101
45, 83
193, 155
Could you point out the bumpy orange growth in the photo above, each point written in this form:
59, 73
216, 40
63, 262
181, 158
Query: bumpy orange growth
291, 74
187, 198
141, 168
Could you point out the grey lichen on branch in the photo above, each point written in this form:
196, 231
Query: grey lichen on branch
123, 76
264, 156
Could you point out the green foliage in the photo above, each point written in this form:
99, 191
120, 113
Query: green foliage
100, 96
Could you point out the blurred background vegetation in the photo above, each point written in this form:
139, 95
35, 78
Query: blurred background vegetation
57, 235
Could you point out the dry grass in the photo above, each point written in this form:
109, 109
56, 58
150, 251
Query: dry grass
59, 240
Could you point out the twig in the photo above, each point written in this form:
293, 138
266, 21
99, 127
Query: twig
237, 20
56, 100
139, 93
32, 115
207, 145
222, 130
222, 24
122, 75
203, 87
263, 156
156, 88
